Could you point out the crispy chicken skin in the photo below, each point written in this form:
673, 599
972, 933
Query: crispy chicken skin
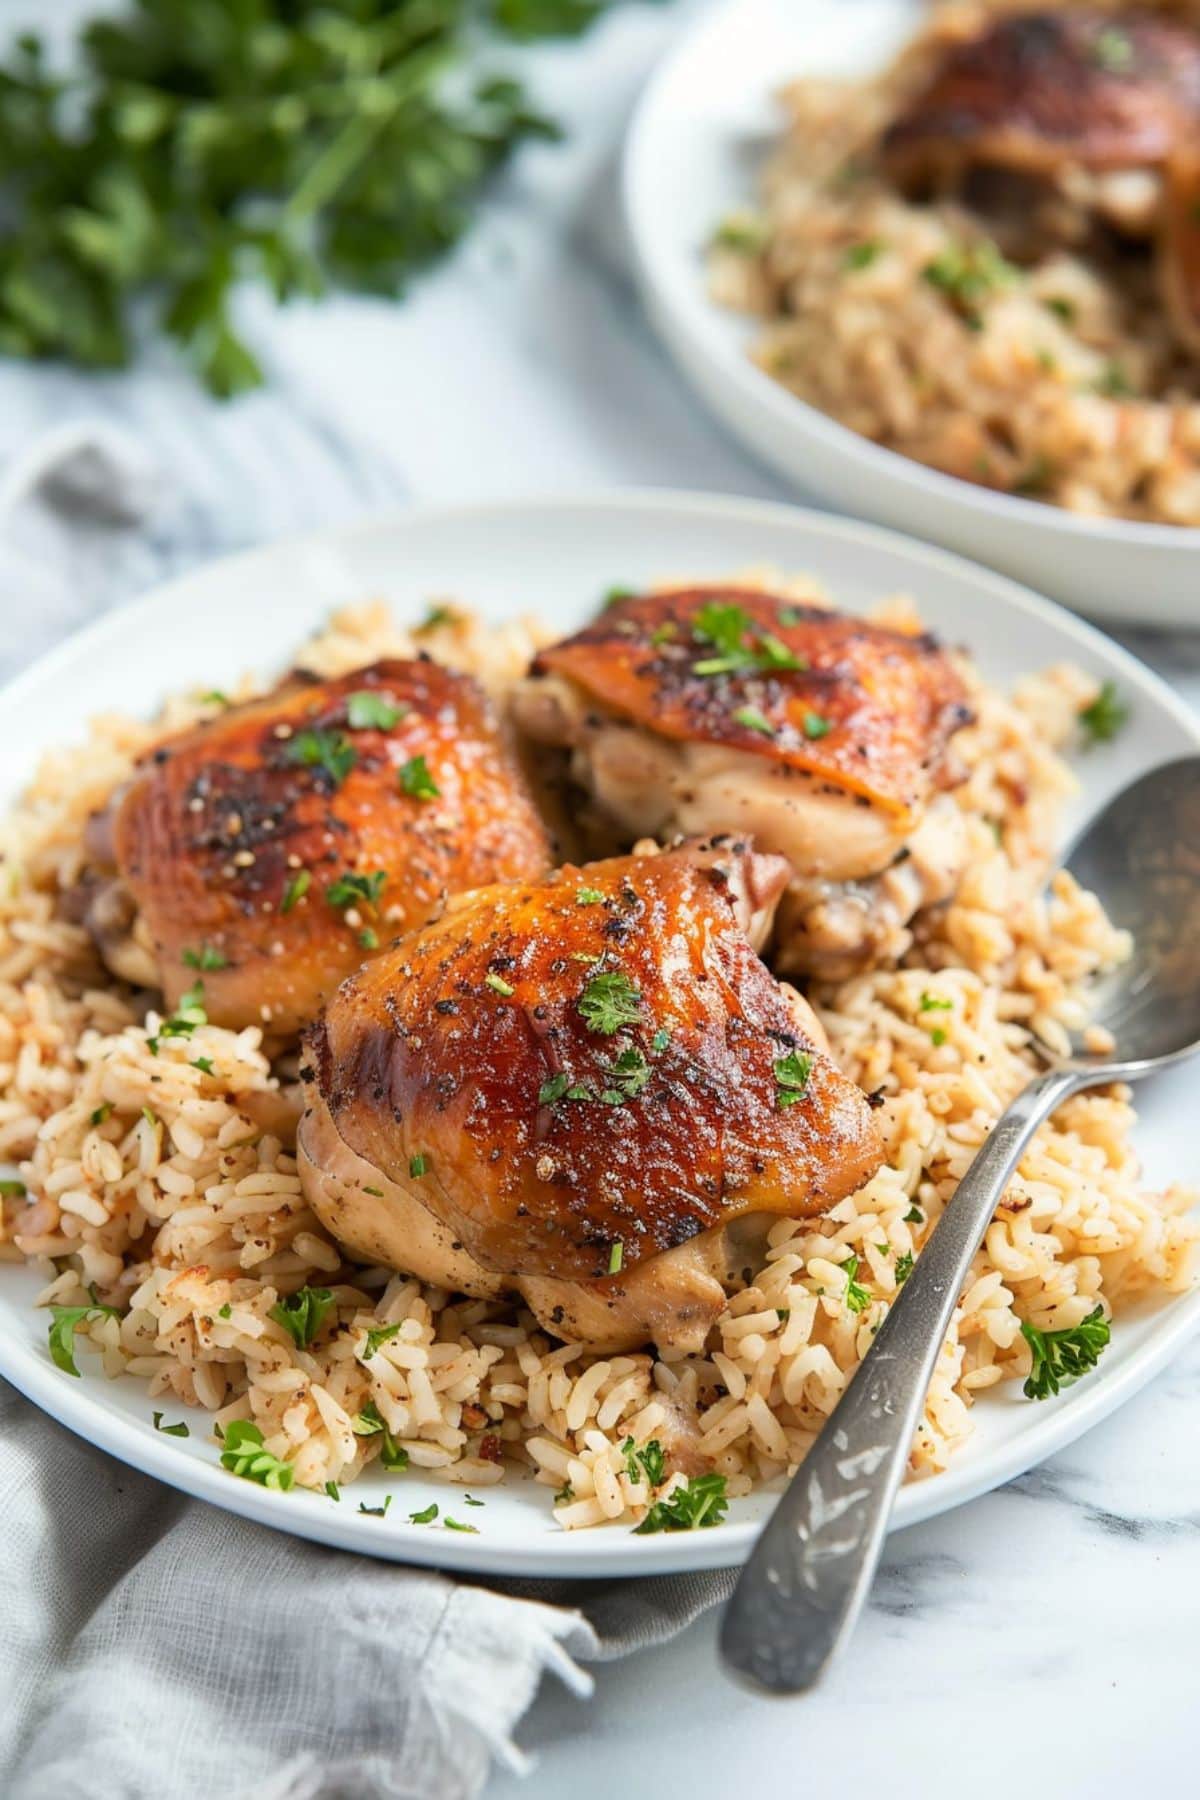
823, 735
571, 1089
1106, 103
229, 839
1035, 89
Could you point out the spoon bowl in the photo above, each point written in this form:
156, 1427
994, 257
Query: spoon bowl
808, 1576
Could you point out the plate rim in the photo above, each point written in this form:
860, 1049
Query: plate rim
783, 405
597, 1553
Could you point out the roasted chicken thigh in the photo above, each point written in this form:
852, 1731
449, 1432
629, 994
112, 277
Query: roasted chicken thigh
276, 846
1095, 109
702, 710
587, 1090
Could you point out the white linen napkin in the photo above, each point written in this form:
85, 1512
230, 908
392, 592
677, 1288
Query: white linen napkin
152, 1646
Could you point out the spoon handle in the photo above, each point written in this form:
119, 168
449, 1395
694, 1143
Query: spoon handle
809, 1573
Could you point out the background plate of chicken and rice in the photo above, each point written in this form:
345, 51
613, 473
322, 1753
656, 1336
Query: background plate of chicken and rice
939, 264
555, 1236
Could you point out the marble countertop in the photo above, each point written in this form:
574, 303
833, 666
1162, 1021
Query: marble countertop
1038, 1637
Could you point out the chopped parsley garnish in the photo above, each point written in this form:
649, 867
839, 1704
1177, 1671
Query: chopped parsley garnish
937, 1037
914, 1216
861, 256
1112, 50
151, 1117
1061, 1357
98, 1117
438, 615
608, 1002
214, 697
616, 1256
553, 1090
744, 232
565, 1495
329, 751
455, 1525
904, 1268
375, 1512
816, 726
295, 890
791, 1077
967, 273
931, 1003
368, 710
700, 1504
368, 939
244, 1452
728, 629
356, 890
1104, 716
203, 1063
206, 957
857, 1296
303, 1313
754, 720
333, 1490
627, 1076
179, 1431
587, 896
11, 1189
226, 1312
1061, 308
469, 1501
378, 1335
426, 1516
416, 781
1114, 382
418, 1165
615, 595
649, 1461
370, 1422
63, 1323
498, 984
659, 1041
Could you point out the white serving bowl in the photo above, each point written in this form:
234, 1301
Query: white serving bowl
699, 133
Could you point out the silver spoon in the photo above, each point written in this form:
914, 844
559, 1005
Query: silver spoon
810, 1571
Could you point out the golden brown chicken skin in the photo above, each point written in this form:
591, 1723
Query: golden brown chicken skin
276, 846
1035, 89
579, 1079
823, 736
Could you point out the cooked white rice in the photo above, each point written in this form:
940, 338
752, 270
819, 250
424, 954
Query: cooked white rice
171, 1192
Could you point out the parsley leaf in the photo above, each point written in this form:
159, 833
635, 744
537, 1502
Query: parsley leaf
815, 726
304, 1313
608, 1002
206, 957
454, 1525
295, 890
791, 1077
553, 1089
375, 1512
1104, 717
333, 1490
498, 984
1061, 1357
16, 1190
356, 890
904, 1268
426, 1516
700, 1503
649, 1461
857, 1297
416, 781
378, 1335
616, 1256
588, 896
179, 1431
418, 1164
628, 1075
328, 751
754, 720
931, 1003
728, 629
63, 1323
369, 710
244, 1453
370, 1423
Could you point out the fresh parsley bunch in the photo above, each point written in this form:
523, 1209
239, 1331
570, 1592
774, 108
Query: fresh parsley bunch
303, 143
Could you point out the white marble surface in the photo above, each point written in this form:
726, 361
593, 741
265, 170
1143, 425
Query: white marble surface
1038, 1640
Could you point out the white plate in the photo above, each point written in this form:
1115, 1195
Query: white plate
557, 557
699, 134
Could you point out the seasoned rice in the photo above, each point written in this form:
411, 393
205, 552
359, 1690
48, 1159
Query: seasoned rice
1061, 381
169, 1190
